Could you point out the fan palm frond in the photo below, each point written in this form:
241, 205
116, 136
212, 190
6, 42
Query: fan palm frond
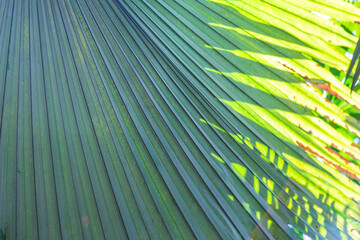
177, 119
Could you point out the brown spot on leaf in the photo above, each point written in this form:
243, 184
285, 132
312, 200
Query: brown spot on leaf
337, 154
307, 148
334, 146
294, 71
351, 155
286, 66
355, 145
343, 170
327, 87
355, 106
336, 166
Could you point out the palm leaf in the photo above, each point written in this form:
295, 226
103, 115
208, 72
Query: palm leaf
177, 119
353, 61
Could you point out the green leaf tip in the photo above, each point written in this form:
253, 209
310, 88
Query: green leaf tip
352, 63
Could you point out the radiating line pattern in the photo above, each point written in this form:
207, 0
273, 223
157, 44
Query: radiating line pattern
179, 119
